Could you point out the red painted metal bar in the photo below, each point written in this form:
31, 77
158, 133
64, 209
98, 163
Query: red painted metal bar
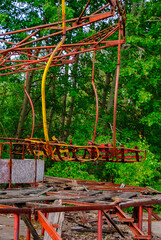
149, 220
23, 151
96, 96
123, 217
10, 163
94, 207
99, 226
91, 18
16, 227
155, 215
32, 107
76, 208
41, 26
28, 231
25, 39
140, 223
70, 46
48, 227
43, 230
57, 57
107, 44
116, 90
74, 50
35, 166
98, 153
1, 150
107, 36
5, 60
112, 3
136, 230
26, 54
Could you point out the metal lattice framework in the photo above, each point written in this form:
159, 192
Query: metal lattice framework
18, 56
28, 55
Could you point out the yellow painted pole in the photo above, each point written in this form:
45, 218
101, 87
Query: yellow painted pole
45, 74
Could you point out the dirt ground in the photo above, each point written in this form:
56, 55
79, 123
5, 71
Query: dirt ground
7, 230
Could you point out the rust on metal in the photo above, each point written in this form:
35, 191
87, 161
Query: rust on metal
110, 208
38, 57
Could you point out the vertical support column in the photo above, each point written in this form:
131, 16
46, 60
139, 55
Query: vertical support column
28, 231
35, 165
149, 221
99, 227
0, 150
44, 166
16, 227
39, 150
116, 92
140, 217
10, 164
23, 151
43, 230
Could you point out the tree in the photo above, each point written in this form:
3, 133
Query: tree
70, 97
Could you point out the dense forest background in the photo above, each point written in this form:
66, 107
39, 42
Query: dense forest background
69, 94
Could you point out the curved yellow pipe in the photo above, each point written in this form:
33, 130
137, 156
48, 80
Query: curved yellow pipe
45, 74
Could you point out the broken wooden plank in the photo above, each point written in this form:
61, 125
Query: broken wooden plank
23, 192
151, 190
45, 191
94, 230
34, 198
128, 195
93, 199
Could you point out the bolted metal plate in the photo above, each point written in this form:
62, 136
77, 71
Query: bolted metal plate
23, 171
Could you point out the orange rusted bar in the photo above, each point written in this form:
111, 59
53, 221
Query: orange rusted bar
32, 107
99, 226
16, 227
48, 227
116, 91
96, 96
28, 231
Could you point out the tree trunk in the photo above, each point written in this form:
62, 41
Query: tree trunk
51, 112
69, 119
70, 112
133, 8
107, 82
64, 101
111, 97
62, 121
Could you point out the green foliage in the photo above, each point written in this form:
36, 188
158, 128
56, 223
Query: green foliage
145, 173
70, 97
54, 12
70, 170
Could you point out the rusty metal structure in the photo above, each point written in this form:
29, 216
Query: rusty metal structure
107, 199
81, 197
13, 152
25, 56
